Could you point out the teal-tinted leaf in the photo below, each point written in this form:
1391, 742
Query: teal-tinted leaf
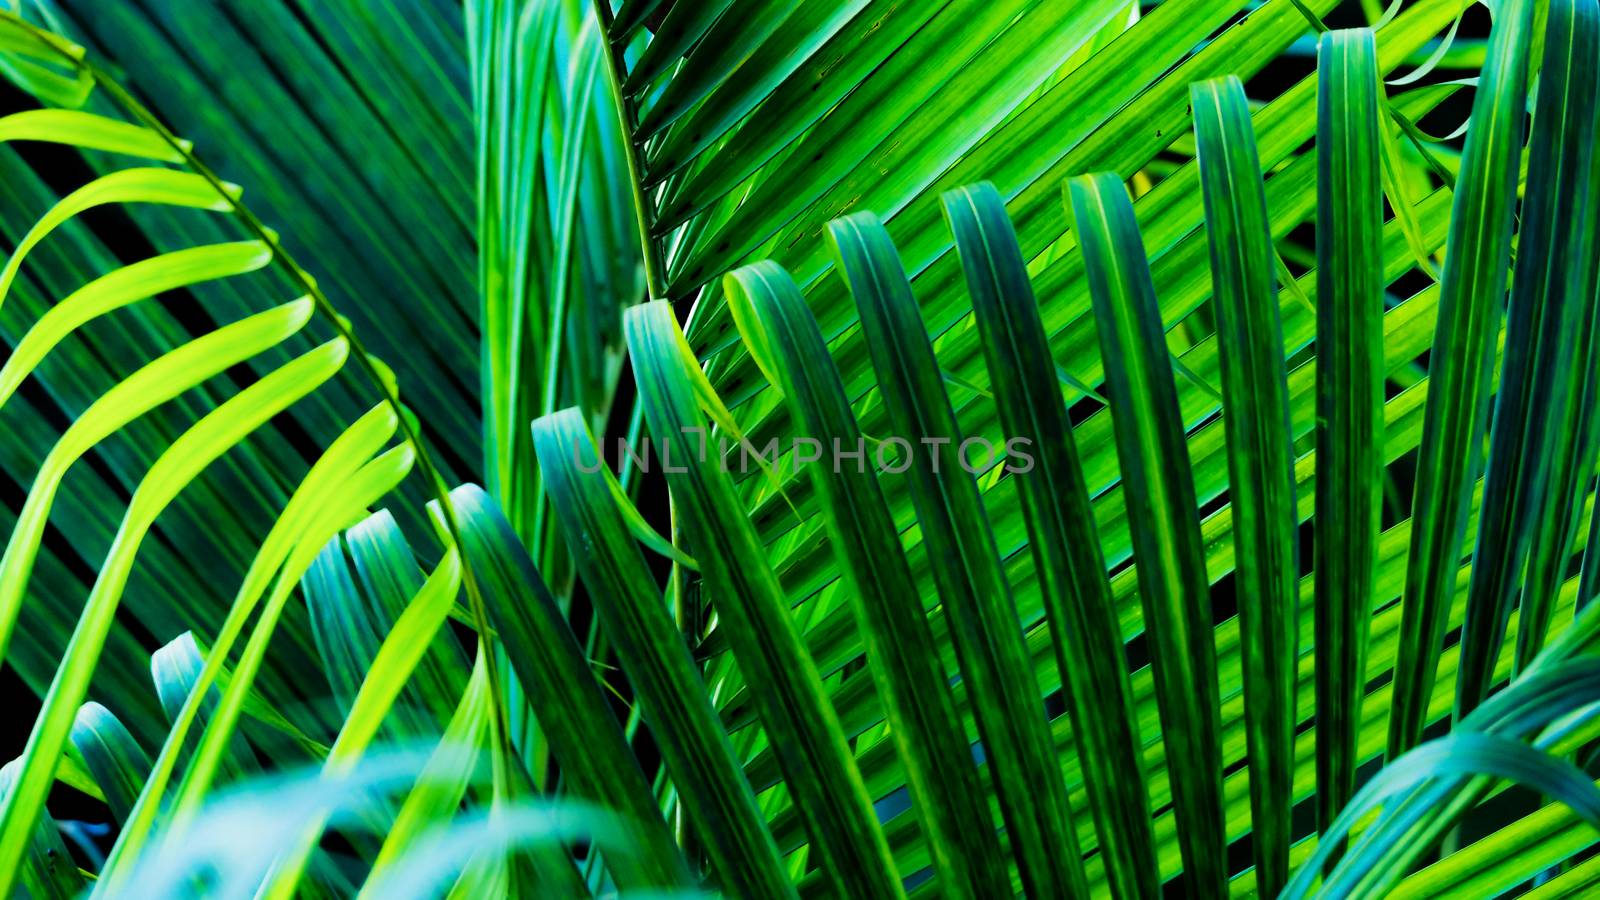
346, 630
1465, 753
341, 505
1554, 703
117, 762
403, 648
185, 695
1163, 515
1554, 698
176, 670
444, 780
358, 587
387, 570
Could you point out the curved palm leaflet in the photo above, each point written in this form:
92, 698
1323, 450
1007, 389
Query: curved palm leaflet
1213, 308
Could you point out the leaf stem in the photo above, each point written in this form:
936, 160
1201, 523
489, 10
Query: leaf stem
627, 111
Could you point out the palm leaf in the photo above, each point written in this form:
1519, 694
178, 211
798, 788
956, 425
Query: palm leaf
1260, 458
930, 739
1476, 263
1061, 534
1166, 529
1542, 328
493, 185
804, 729
656, 659
1350, 426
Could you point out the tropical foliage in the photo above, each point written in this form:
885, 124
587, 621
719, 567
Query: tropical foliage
1094, 448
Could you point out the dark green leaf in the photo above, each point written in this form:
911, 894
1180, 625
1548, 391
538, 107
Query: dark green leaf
1163, 515
1549, 296
800, 723
1461, 363
573, 712
1062, 537
653, 654
966, 566
1261, 482
1350, 370
928, 735
117, 762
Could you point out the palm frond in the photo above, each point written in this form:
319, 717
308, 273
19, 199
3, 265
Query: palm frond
998, 637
